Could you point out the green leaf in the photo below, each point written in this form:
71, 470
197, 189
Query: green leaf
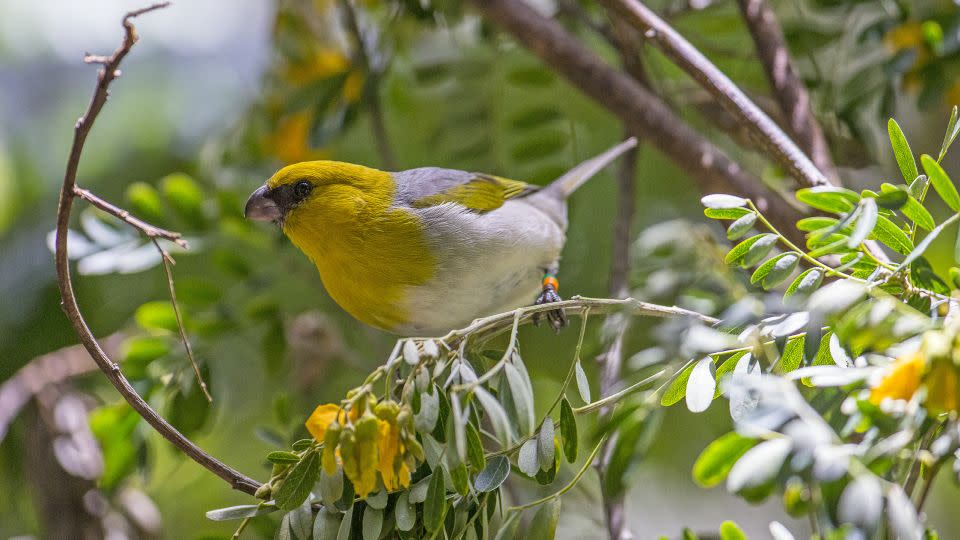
378, 500
115, 427
326, 525
156, 315
346, 525
839, 246
741, 226
283, 457
493, 475
145, 201
298, 483
543, 526
941, 182
583, 384
953, 128
792, 355
736, 255
240, 512
301, 521
805, 283
508, 529
719, 201
829, 199
330, 486
726, 213
435, 507
901, 150
461, 480
718, 458
568, 431
865, 223
678, 388
372, 523
730, 531
892, 236
918, 214
183, 194
816, 223
475, 452
922, 246
893, 199
759, 250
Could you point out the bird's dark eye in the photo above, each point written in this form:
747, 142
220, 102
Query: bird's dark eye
302, 188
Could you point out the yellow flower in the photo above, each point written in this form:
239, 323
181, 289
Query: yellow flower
943, 388
322, 417
902, 379
290, 142
358, 449
393, 469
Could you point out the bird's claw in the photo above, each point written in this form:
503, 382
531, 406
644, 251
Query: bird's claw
556, 317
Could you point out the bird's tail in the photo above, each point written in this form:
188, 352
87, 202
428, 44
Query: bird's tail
577, 176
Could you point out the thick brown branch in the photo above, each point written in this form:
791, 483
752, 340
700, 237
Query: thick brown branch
106, 75
644, 113
788, 88
766, 132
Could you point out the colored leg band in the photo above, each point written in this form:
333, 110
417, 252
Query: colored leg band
551, 281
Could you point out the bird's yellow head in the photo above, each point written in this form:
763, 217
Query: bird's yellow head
329, 192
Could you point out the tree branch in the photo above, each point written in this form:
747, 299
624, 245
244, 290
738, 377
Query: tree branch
644, 113
788, 89
68, 192
766, 132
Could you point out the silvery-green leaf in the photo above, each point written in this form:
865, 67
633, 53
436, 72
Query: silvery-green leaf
805, 283
790, 324
459, 429
941, 182
406, 513
301, 521
330, 486
546, 450
583, 385
410, 354
861, 502
741, 226
240, 512
904, 523
372, 523
742, 401
283, 531
831, 462
378, 500
782, 267
838, 353
346, 524
718, 201
701, 386
953, 128
901, 150
435, 507
836, 296
418, 491
522, 399
759, 249
496, 414
865, 223
494, 474
702, 339
527, 460
430, 349
759, 465
779, 532
326, 525
425, 420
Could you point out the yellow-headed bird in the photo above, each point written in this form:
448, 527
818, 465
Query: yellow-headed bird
423, 251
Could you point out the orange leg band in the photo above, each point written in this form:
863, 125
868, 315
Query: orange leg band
551, 281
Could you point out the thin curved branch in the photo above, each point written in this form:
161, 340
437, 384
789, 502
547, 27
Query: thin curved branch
766, 132
68, 193
787, 86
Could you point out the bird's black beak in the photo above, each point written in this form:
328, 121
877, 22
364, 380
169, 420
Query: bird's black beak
260, 207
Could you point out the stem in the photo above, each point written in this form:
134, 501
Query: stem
613, 398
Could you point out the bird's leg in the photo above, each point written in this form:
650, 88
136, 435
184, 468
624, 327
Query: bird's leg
549, 294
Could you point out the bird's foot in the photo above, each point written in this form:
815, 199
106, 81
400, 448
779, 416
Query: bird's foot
556, 317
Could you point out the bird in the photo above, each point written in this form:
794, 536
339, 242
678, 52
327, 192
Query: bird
423, 251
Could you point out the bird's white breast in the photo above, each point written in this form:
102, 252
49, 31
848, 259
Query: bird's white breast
486, 264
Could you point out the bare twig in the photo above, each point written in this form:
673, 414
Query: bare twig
147, 229
106, 75
371, 88
788, 88
766, 132
643, 112
167, 261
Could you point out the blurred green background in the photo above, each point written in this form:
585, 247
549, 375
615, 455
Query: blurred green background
219, 93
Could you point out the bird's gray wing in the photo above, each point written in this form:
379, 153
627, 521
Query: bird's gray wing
432, 186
